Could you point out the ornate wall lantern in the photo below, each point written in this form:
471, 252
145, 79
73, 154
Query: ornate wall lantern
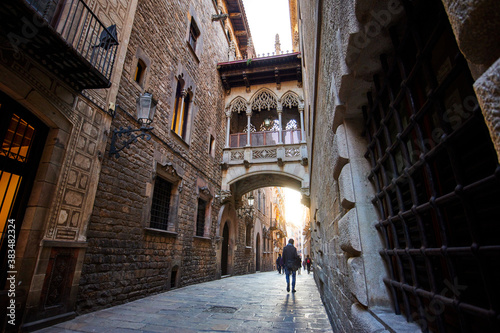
146, 108
247, 210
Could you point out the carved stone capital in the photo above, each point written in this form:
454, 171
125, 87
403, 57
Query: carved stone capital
305, 191
225, 196
205, 191
170, 170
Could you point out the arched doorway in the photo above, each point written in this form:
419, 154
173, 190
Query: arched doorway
225, 249
257, 253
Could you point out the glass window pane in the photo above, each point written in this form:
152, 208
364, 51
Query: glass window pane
18, 139
9, 184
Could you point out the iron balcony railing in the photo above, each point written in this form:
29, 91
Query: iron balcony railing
80, 28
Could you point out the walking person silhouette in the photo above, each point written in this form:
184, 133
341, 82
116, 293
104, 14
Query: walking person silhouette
291, 262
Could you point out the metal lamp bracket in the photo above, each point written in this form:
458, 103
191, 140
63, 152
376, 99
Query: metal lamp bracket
128, 132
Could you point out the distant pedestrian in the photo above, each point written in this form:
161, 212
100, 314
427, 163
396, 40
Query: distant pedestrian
278, 263
291, 261
282, 266
308, 264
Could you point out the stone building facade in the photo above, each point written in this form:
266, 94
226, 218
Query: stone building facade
53, 140
258, 235
401, 101
82, 235
278, 223
156, 219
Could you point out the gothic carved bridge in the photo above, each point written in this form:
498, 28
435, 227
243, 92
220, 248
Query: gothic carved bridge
249, 168
265, 137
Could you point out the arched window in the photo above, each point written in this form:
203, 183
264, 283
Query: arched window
194, 33
264, 203
211, 146
258, 199
249, 235
181, 111
140, 70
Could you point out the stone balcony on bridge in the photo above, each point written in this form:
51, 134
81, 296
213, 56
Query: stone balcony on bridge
247, 168
279, 154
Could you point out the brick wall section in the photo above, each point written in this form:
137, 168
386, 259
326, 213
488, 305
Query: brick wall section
123, 260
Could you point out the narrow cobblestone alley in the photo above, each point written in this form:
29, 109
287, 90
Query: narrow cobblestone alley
247, 303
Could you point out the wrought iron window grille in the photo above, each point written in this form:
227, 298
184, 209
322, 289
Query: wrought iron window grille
437, 181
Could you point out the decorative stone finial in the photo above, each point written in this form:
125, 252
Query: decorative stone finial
277, 44
296, 41
250, 49
232, 51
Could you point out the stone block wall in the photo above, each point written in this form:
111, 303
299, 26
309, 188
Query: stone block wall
341, 45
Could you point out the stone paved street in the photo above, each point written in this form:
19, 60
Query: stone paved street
248, 303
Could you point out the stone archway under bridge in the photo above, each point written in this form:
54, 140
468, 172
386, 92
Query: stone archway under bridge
241, 179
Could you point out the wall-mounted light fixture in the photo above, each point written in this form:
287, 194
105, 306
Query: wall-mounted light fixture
267, 124
146, 108
247, 210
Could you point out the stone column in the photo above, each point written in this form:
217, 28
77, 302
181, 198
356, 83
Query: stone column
228, 126
279, 108
249, 116
301, 111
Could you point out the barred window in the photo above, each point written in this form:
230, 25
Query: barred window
435, 171
248, 241
200, 219
194, 33
160, 207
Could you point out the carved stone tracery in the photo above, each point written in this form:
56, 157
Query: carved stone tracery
252, 129
264, 100
292, 124
239, 105
290, 100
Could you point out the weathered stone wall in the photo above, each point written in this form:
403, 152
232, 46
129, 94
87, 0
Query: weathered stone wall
330, 269
124, 259
244, 259
341, 45
63, 193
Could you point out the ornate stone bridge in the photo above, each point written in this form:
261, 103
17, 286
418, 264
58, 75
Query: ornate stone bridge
246, 169
265, 132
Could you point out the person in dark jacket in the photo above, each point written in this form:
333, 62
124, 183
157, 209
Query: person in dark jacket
308, 263
290, 260
278, 263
